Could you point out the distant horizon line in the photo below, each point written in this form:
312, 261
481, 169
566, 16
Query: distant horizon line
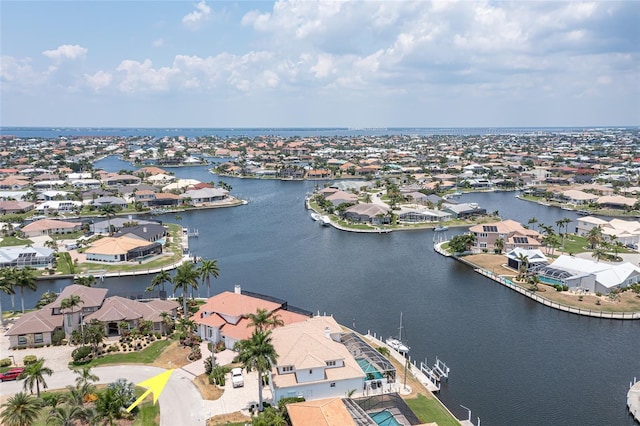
327, 127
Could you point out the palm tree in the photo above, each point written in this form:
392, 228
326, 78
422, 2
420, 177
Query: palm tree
109, 210
160, 278
257, 353
70, 303
46, 298
594, 236
33, 374
208, 269
186, 277
263, 320
20, 410
85, 376
523, 261
499, 245
24, 278
6, 286
66, 415
533, 222
599, 253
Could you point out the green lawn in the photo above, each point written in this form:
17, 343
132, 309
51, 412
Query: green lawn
13, 241
145, 356
429, 411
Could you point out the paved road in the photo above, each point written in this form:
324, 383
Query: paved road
180, 402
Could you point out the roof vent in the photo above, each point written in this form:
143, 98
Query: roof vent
237, 289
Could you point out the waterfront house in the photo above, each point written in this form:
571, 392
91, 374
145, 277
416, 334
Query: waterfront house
574, 196
534, 257
589, 275
110, 201
204, 196
36, 328
122, 249
224, 317
62, 206
148, 232
418, 214
368, 213
342, 197
117, 223
326, 412
313, 362
616, 202
464, 210
512, 233
625, 231
21, 257
50, 227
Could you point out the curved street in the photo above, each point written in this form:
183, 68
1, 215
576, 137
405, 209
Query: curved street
180, 401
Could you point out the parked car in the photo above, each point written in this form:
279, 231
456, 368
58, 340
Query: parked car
11, 374
236, 377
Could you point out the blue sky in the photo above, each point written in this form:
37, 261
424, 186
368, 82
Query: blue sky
294, 63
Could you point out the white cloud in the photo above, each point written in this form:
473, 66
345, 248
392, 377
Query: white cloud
194, 19
99, 80
142, 77
66, 51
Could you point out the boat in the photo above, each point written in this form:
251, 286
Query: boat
315, 216
396, 343
441, 228
325, 220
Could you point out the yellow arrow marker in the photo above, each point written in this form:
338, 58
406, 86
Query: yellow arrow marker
155, 384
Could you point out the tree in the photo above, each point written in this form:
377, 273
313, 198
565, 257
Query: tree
112, 403
186, 277
33, 374
94, 333
263, 320
599, 253
257, 353
109, 210
6, 287
523, 264
46, 298
208, 269
67, 415
20, 409
69, 303
160, 278
533, 281
594, 236
86, 281
499, 245
269, 417
24, 278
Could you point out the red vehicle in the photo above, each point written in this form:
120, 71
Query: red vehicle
11, 374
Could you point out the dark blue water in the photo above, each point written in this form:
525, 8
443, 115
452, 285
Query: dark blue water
514, 362
54, 132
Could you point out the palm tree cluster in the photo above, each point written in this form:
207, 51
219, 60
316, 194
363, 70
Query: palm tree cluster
81, 404
21, 278
186, 278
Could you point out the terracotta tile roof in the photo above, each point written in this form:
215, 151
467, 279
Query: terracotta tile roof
44, 224
116, 245
41, 321
92, 297
116, 308
321, 412
235, 305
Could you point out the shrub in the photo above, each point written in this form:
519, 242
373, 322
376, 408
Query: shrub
5, 362
290, 400
29, 359
57, 337
81, 353
158, 336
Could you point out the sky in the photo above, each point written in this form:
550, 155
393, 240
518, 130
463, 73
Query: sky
305, 63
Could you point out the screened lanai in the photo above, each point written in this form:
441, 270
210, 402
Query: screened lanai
372, 362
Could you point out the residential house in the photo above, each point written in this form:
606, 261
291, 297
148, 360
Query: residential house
110, 201
205, 195
21, 257
12, 206
62, 206
464, 210
147, 232
224, 317
617, 202
341, 197
512, 233
574, 196
313, 362
625, 231
590, 275
50, 227
122, 249
368, 213
117, 309
419, 214
533, 257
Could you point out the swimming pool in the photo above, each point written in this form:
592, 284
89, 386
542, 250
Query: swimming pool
384, 418
369, 369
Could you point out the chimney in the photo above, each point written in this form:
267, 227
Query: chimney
144, 229
237, 289
327, 334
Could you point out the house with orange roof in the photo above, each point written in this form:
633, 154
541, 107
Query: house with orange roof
122, 249
224, 317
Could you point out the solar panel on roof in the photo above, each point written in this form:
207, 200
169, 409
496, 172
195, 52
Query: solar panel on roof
521, 240
490, 228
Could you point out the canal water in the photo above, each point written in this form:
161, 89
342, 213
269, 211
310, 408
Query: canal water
513, 361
